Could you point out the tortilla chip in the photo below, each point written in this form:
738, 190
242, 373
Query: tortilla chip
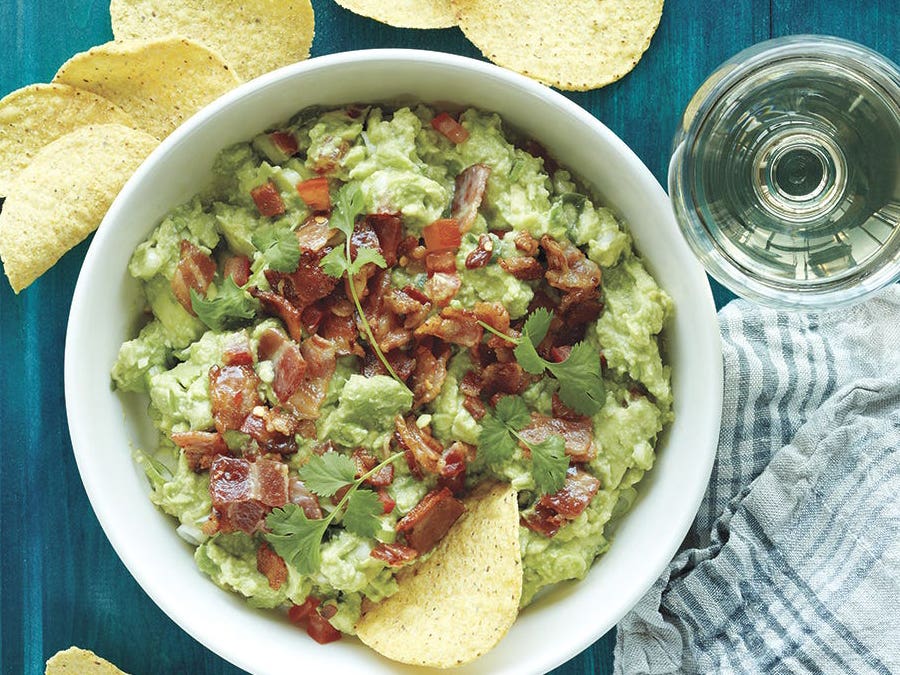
405, 13
61, 197
33, 116
77, 661
253, 36
458, 603
575, 45
160, 83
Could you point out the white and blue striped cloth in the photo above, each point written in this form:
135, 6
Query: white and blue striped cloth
793, 562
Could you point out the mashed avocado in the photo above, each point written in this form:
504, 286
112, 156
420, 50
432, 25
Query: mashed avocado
273, 346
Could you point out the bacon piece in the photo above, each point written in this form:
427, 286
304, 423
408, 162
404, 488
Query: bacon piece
314, 234
272, 430
200, 448
452, 472
237, 352
401, 361
300, 495
429, 520
314, 192
320, 629
395, 555
363, 237
522, 267
389, 229
243, 492
320, 356
442, 235
271, 565
580, 306
299, 614
278, 305
233, 394
287, 362
329, 159
457, 326
445, 262
306, 284
494, 315
449, 127
423, 451
577, 433
544, 521
503, 378
567, 267
574, 496
385, 325
365, 462
442, 287
475, 407
268, 200
387, 502
526, 243
481, 255
238, 268
410, 304
430, 373
470, 185
195, 270
285, 142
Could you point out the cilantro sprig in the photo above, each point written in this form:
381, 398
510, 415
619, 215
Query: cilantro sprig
500, 435
278, 246
230, 307
580, 384
339, 261
297, 538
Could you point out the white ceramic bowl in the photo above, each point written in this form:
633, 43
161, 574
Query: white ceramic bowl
106, 426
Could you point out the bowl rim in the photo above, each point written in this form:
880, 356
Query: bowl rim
707, 326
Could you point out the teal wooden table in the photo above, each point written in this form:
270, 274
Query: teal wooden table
60, 581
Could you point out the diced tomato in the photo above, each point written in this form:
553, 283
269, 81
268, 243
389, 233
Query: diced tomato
284, 141
321, 630
387, 501
238, 268
442, 235
315, 193
267, 199
300, 613
450, 128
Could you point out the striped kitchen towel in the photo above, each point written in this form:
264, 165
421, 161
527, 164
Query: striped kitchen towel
793, 562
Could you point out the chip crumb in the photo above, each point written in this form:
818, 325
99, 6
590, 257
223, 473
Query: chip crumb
77, 661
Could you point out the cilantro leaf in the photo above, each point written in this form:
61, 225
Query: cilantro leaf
533, 332
549, 464
361, 516
325, 474
528, 358
495, 443
537, 324
580, 384
296, 538
512, 411
334, 263
348, 205
365, 255
278, 246
230, 306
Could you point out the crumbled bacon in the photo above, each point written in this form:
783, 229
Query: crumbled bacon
320, 356
580, 306
503, 378
400, 360
331, 156
395, 555
481, 255
271, 565
387, 502
287, 362
470, 185
340, 329
314, 192
494, 315
449, 127
238, 268
273, 430
575, 495
578, 433
452, 471
410, 304
442, 236
386, 327
278, 305
429, 520
442, 287
365, 461
195, 270
457, 326
430, 372
243, 492
284, 141
300, 495
526, 243
423, 451
237, 352
522, 267
200, 448
544, 521
233, 394
567, 267
389, 229
314, 234
268, 200
475, 407
306, 284
444, 262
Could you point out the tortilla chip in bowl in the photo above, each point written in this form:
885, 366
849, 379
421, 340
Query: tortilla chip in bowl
544, 634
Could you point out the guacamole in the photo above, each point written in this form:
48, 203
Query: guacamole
386, 289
